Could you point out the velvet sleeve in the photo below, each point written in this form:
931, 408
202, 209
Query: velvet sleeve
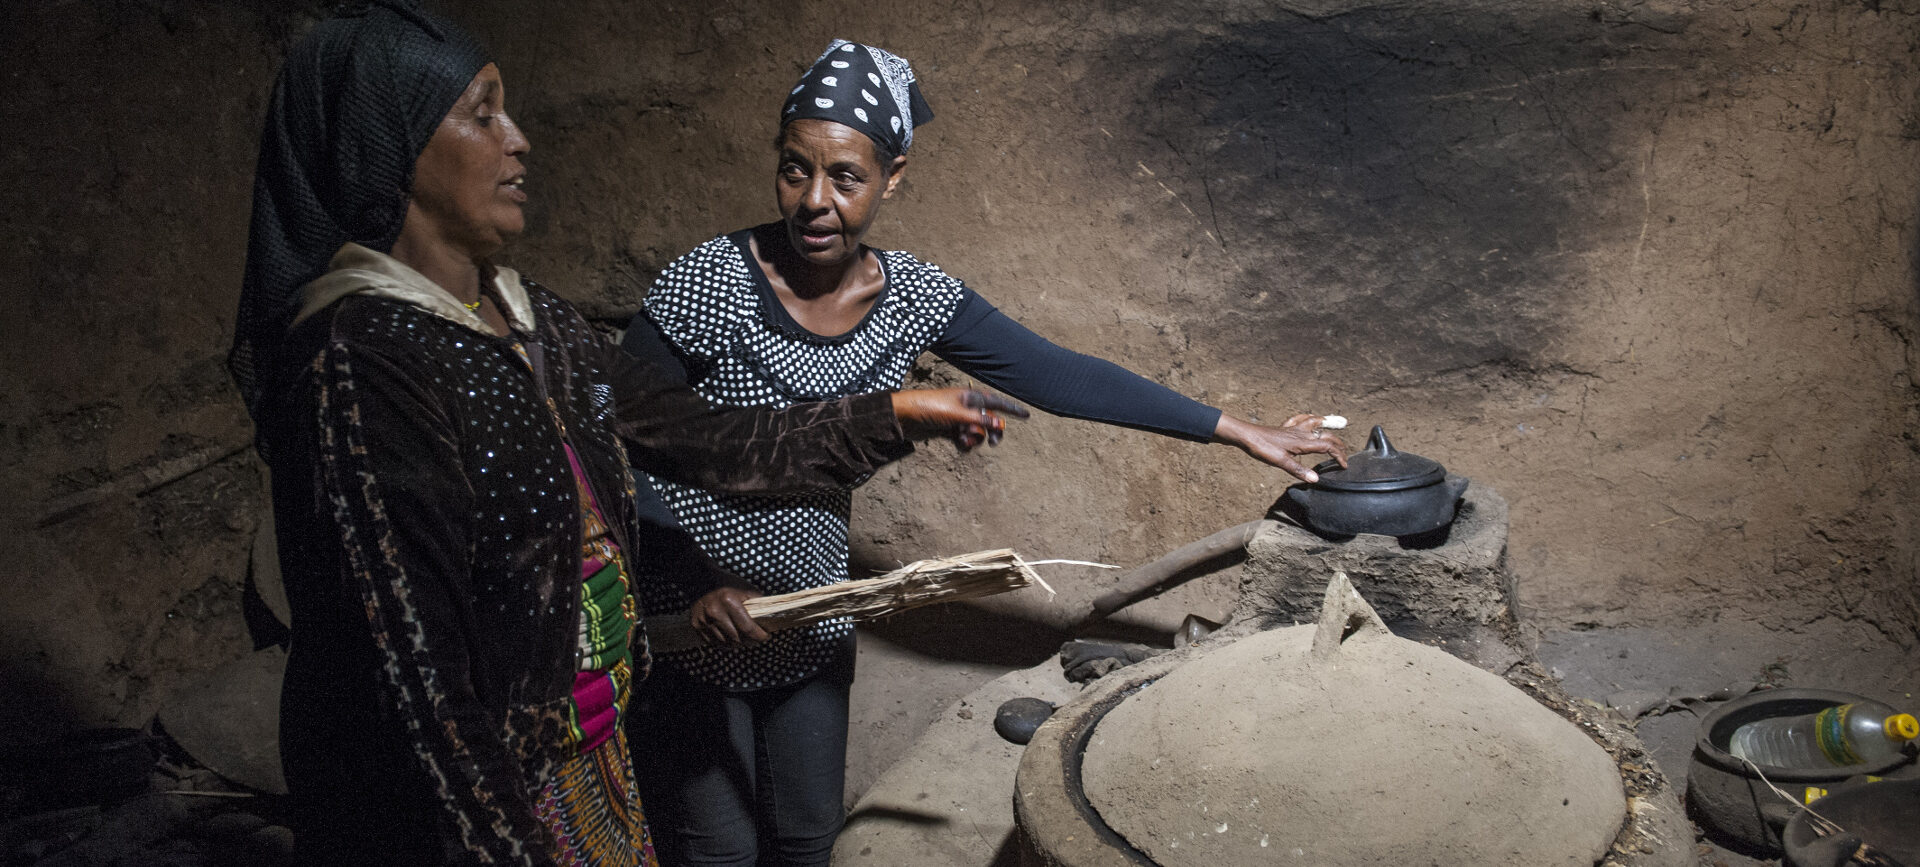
674, 433
644, 341
661, 534
392, 474
990, 346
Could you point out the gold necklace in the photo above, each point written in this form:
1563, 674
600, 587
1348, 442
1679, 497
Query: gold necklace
480, 294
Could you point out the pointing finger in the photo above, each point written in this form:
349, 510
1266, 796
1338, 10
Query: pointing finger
993, 403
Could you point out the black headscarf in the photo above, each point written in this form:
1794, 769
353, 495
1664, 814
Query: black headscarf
355, 104
867, 88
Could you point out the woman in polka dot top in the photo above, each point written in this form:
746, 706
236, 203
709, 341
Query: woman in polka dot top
750, 732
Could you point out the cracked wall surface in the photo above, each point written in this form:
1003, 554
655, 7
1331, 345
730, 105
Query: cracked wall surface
1646, 269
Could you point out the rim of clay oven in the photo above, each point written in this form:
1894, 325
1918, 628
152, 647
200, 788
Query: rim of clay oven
1062, 740
1076, 756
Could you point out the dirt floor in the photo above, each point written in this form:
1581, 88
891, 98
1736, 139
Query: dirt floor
1645, 268
1602, 663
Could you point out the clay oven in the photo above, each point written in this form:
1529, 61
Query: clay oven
1341, 742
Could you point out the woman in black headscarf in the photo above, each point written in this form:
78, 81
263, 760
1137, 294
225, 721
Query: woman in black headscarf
747, 737
449, 479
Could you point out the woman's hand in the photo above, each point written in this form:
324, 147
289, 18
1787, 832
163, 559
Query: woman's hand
721, 618
1282, 446
968, 416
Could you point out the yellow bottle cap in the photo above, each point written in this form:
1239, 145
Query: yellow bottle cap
1902, 727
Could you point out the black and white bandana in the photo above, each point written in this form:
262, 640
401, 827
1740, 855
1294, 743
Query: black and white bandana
867, 88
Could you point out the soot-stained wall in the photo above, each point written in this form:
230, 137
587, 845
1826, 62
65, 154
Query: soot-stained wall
1647, 269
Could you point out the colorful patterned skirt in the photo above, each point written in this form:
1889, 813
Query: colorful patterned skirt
593, 810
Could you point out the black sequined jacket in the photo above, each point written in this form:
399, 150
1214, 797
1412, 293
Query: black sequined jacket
429, 534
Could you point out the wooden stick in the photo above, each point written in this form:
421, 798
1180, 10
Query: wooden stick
1148, 580
923, 582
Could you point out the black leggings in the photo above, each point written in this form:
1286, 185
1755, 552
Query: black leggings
743, 778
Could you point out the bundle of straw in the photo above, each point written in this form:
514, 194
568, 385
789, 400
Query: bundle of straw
923, 582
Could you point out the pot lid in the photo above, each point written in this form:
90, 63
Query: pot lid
1379, 467
1341, 744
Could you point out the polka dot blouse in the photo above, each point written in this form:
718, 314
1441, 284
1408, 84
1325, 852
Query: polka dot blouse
742, 348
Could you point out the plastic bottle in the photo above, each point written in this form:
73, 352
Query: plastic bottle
1865, 732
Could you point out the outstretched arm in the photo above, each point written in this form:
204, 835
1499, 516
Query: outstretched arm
1001, 352
672, 432
991, 346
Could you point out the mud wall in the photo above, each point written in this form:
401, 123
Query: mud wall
1648, 269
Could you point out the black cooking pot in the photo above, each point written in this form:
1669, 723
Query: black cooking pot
1381, 490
